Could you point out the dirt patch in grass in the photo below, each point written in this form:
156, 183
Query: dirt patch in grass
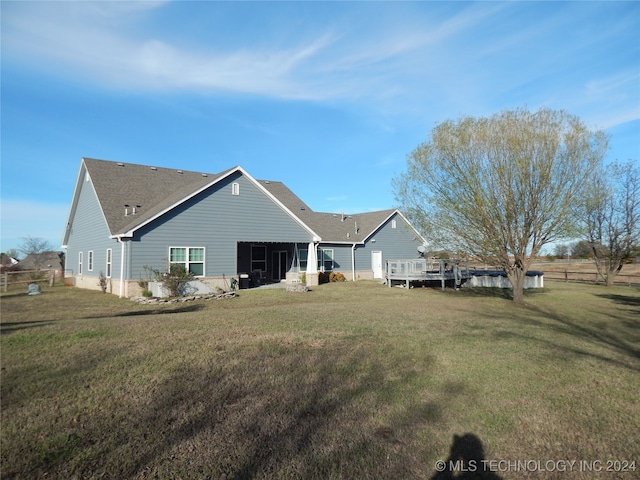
352, 380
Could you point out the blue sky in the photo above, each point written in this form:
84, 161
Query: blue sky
328, 98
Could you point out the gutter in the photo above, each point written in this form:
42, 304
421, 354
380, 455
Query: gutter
122, 252
353, 262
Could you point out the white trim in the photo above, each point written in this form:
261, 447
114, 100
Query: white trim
80, 262
373, 269
83, 172
353, 262
90, 260
108, 264
187, 261
321, 259
238, 169
122, 252
395, 212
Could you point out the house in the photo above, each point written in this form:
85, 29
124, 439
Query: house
7, 262
44, 260
125, 218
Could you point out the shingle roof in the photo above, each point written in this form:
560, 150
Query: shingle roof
152, 190
332, 227
149, 189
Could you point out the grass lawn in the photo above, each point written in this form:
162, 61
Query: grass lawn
348, 381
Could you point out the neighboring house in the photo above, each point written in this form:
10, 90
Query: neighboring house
125, 218
43, 260
7, 262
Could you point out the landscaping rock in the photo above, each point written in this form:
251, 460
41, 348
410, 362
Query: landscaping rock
191, 298
297, 287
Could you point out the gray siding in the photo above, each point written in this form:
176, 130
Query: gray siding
341, 256
217, 221
394, 243
89, 231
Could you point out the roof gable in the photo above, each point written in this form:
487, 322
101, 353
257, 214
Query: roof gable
123, 187
132, 195
332, 227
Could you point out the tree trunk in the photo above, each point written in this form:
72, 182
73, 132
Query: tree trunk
516, 276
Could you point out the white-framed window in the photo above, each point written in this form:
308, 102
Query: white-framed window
80, 262
259, 257
235, 188
394, 224
325, 259
109, 262
90, 260
191, 258
303, 254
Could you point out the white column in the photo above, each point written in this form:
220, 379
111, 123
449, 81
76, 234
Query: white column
312, 259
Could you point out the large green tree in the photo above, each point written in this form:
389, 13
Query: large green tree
501, 187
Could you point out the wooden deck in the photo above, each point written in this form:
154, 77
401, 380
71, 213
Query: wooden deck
422, 270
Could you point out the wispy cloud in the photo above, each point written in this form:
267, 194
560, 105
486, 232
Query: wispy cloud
84, 39
455, 57
100, 42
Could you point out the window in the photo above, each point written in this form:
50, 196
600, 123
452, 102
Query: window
80, 260
109, 262
304, 254
259, 257
325, 259
235, 188
191, 258
90, 261
394, 223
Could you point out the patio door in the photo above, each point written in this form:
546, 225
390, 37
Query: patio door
376, 263
279, 265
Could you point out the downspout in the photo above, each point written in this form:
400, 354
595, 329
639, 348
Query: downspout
122, 251
353, 262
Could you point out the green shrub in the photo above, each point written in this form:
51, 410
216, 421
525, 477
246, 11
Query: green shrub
175, 280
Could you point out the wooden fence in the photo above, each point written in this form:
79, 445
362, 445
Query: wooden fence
590, 277
25, 277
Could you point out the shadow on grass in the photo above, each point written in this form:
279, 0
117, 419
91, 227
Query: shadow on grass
627, 300
466, 461
616, 334
12, 327
192, 307
288, 412
493, 292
